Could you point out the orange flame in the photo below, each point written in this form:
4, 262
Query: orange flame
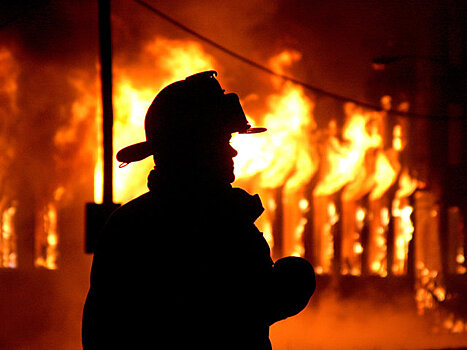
8, 251
282, 155
47, 238
344, 161
9, 72
403, 225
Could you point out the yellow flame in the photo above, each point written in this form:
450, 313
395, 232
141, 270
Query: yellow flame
284, 154
378, 263
8, 251
357, 248
360, 215
345, 160
407, 185
397, 138
403, 234
384, 177
130, 108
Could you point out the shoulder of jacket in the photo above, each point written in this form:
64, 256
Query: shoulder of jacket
247, 204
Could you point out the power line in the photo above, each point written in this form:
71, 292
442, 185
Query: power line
256, 65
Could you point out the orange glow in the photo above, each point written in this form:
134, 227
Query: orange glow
397, 138
429, 290
8, 249
47, 238
403, 225
9, 72
324, 234
378, 241
407, 185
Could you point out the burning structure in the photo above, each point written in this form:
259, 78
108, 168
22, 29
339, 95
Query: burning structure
375, 199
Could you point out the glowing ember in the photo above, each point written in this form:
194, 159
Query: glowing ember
429, 290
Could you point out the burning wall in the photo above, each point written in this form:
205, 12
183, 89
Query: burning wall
342, 196
339, 195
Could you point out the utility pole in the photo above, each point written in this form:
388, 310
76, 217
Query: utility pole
105, 44
97, 214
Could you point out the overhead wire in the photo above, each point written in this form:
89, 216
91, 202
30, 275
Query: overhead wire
256, 65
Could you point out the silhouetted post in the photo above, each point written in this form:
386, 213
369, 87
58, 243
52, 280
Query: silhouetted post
105, 44
336, 232
365, 239
278, 224
97, 214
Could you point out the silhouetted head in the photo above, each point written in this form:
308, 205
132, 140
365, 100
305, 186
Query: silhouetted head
188, 129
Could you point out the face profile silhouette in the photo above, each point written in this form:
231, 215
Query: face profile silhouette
188, 128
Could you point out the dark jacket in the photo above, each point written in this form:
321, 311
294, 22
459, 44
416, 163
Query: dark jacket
181, 268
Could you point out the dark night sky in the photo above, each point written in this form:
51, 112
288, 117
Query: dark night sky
337, 38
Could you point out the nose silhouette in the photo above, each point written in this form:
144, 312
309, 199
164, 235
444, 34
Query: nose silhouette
232, 151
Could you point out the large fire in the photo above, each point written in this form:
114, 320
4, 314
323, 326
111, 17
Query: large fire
362, 189
343, 195
352, 162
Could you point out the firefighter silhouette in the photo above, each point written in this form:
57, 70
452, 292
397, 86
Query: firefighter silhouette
183, 265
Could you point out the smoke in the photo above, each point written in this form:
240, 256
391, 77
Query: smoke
51, 42
364, 321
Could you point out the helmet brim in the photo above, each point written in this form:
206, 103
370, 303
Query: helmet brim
142, 150
253, 131
134, 153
